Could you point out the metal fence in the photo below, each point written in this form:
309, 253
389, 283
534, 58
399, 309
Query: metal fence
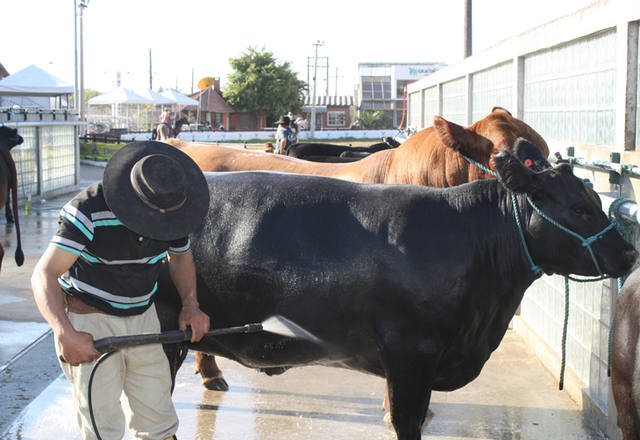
575, 81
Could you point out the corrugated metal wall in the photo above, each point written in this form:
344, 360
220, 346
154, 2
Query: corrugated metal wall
490, 88
454, 101
569, 91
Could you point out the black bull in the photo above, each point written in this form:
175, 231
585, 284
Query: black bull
410, 283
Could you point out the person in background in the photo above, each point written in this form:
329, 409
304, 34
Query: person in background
165, 117
285, 137
292, 122
98, 277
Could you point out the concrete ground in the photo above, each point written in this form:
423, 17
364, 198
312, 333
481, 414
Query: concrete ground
514, 397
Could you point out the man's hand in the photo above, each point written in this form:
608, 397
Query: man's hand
192, 316
77, 347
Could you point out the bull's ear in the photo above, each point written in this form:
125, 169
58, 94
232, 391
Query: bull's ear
500, 109
513, 174
530, 155
460, 139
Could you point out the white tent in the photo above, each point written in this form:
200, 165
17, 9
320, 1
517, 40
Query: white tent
34, 81
156, 97
178, 98
120, 95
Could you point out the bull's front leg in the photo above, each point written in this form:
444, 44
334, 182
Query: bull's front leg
409, 388
210, 372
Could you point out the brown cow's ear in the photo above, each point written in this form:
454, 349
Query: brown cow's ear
495, 109
460, 139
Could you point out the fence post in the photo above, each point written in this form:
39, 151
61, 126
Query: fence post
626, 100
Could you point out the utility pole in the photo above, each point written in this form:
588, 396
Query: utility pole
150, 70
76, 100
317, 44
327, 91
337, 76
83, 5
467, 28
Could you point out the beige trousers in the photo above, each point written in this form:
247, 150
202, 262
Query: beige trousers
137, 377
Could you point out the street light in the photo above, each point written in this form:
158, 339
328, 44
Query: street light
80, 6
317, 44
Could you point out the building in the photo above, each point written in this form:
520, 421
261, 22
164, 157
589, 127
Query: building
332, 112
381, 85
213, 109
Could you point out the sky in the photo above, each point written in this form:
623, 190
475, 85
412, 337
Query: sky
191, 39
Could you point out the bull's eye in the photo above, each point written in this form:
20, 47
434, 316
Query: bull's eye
578, 210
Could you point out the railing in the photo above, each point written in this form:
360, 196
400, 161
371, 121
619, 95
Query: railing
37, 114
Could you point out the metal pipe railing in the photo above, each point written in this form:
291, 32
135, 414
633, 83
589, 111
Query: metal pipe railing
628, 210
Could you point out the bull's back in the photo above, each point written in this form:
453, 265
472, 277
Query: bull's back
371, 169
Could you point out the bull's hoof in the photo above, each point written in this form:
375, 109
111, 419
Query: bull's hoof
217, 384
274, 371
387, 420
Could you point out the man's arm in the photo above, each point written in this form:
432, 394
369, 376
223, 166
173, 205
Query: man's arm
77, 347
283, 144
183, 274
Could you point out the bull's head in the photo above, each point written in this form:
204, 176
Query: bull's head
570, 203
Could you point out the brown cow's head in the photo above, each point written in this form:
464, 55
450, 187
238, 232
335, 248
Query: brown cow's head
502, 129
463, 140
488, 136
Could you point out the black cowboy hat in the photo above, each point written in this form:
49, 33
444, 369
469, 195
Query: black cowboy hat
285, 120
156, 190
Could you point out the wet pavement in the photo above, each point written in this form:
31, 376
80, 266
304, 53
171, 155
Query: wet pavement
514, 397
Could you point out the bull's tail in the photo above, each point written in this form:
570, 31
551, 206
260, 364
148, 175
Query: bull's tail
19, 255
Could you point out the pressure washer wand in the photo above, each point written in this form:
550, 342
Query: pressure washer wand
113, 343
276, 324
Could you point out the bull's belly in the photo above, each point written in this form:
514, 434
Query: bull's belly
272, 353
452, 380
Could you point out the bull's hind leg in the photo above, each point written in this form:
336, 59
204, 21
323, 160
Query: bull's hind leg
210, 372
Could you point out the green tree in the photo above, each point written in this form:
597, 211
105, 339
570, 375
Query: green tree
90, 93
376, 120
261, 86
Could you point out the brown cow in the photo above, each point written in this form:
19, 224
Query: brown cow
430, 157
9, 138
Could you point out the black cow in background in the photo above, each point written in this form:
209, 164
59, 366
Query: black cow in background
320, 152
414, 284
9, 138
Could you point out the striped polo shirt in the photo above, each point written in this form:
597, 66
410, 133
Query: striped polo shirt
117, 269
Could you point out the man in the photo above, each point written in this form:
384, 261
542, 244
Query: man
285, 137
98, 276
